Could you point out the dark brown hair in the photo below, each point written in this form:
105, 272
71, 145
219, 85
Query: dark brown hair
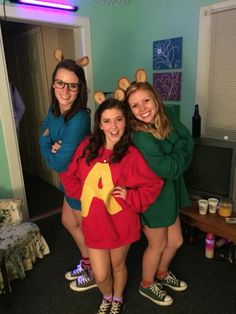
82, 97
97, 139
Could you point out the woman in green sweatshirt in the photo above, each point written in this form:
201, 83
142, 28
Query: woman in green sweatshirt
167, 146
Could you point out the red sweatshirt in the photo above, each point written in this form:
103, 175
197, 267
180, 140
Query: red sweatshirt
109, 222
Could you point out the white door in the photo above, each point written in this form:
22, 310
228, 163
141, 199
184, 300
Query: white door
32, 82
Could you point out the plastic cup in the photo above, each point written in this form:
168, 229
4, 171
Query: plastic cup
202, 206
213, 203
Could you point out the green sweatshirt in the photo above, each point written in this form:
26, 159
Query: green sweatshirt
168, 158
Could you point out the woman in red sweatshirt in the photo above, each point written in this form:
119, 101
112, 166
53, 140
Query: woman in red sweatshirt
114, 184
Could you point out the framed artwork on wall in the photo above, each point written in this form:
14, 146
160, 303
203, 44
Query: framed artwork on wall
168, 85
167, 53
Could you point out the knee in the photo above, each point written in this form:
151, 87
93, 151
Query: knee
102, 278
176, 242
158, 246
179, 242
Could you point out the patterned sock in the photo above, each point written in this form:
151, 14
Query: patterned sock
161, 274
118, 299
86, 263
108, 297
146, 283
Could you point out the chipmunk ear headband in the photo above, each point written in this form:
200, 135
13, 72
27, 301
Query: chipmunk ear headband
123, 85
81, 62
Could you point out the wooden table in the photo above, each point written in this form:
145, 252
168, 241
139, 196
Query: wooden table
209, 223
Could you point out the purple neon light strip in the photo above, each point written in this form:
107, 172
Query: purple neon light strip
49, 4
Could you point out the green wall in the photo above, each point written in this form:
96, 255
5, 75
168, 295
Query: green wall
122, 38
5, 184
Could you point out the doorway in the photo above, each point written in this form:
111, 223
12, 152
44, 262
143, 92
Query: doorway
29, 61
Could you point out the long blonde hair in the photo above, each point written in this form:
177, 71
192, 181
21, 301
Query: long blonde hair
161, 127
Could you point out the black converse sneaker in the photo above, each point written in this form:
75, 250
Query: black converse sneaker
84, 282
104, 307
156, 294
75, 273
172, 282
117, 307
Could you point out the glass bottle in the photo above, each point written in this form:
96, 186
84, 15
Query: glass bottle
196, 122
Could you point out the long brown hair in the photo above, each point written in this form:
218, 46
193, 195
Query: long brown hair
97, 139
161, 127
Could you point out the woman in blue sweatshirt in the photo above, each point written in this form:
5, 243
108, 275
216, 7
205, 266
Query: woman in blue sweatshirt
66, 124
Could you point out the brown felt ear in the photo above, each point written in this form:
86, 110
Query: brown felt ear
82, 62
99, 97
119, 94
58, 55
141, 76
124, 83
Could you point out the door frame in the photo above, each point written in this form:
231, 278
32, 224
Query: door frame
82, 39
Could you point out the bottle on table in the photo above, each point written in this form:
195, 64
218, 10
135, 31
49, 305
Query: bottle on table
196, 122
209, 245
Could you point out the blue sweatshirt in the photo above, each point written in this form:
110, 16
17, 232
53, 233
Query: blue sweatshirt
70, 133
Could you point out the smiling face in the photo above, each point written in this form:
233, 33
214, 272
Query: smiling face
65, 96
143, 105
113, 125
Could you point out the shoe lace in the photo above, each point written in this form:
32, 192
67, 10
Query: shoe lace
115, 308
170, 278
105, 305
156, 288
83, 279
77, 270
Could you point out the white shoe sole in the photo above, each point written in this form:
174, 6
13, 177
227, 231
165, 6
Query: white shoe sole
175, 288
162, 303
70, 278
79, 289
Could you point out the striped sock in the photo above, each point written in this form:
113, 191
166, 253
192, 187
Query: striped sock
86, 263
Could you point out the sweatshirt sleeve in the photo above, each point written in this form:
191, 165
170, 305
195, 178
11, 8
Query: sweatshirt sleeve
147, 185
74, 131
167, 165
185, 143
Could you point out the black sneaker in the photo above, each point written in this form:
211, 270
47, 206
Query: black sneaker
75, 273
104, 307
84, 282
156, 294
172, 282
117, 307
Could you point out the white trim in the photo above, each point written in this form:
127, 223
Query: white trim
203, 61
36, 15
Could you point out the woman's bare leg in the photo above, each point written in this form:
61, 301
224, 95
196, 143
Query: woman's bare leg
157, 239
72, 220
101, 265
175, 240
119, 269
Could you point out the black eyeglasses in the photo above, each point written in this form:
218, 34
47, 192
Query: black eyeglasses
73, 87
